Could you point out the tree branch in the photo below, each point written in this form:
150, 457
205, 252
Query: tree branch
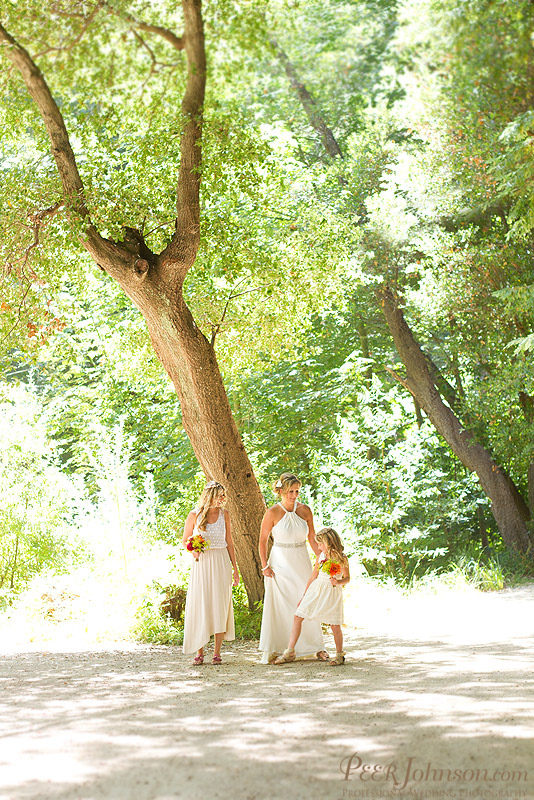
61, 149
308, 103
114, 257
508, 506
110, 255
37, 219
399, 379
178, 42
184, 245
215, 329
87, 20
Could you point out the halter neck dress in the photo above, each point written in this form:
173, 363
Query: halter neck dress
208, 605
292, 568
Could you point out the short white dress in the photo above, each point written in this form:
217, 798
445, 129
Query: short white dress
322, 601
208, 606
292, 568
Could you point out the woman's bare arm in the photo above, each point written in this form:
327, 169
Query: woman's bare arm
230, 546
265, 530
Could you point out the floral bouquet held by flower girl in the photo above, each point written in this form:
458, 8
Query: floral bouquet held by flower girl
331, 567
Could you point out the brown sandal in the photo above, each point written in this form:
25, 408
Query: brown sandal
322, 655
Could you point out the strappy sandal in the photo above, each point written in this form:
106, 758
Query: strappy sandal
338, 660
322, 655
285, 658
198, 660
272, 657
217, 660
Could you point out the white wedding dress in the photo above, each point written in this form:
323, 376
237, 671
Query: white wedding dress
292, 568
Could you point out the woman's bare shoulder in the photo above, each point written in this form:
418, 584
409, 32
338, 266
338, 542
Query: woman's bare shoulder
274, 513
304, 511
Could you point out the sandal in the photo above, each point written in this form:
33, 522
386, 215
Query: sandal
285, 658
272, 657
338, 660
198, 660
322, 655
217, 660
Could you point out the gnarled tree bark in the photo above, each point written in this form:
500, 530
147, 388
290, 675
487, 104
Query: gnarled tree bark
154, 284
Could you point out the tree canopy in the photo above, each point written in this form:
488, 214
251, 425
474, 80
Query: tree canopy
322, 213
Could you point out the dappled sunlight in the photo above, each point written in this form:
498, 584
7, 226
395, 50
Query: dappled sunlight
148, 713
78, 724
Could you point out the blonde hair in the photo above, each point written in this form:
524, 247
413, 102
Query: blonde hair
285, 482
212, 490
335, 546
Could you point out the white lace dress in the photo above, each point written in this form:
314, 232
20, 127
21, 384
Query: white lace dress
292, 567
208, 607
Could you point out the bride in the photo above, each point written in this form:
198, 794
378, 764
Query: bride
286, 572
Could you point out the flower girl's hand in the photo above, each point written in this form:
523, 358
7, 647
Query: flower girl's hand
268, 573
236, 578
196, 555
333, 581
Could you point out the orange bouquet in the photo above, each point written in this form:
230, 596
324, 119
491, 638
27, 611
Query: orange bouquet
331, 567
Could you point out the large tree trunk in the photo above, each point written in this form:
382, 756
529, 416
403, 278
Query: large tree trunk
190, 361
509, 509
154, 283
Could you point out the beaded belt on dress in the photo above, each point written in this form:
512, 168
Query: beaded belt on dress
290, 544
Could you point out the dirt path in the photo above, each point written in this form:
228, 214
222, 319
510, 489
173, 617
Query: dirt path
435, 701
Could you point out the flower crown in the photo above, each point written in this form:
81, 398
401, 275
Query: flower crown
278, 484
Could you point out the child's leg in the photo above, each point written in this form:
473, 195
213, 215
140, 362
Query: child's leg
337, 633
295, 632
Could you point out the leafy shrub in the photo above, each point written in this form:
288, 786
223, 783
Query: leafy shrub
153, 624
247, 621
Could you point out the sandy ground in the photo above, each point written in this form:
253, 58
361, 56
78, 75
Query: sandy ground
435, 701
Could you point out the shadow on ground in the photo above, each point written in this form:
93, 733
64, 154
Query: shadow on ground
142, 723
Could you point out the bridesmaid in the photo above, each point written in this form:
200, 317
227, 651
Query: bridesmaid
208, 606
287, 572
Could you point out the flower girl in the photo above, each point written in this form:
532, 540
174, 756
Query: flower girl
323, 599
208, 606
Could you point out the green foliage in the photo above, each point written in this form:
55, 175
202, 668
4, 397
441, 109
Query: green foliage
484, 575
38, 501
402, 501
430, 105
152, 625
493, 572
247, 621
